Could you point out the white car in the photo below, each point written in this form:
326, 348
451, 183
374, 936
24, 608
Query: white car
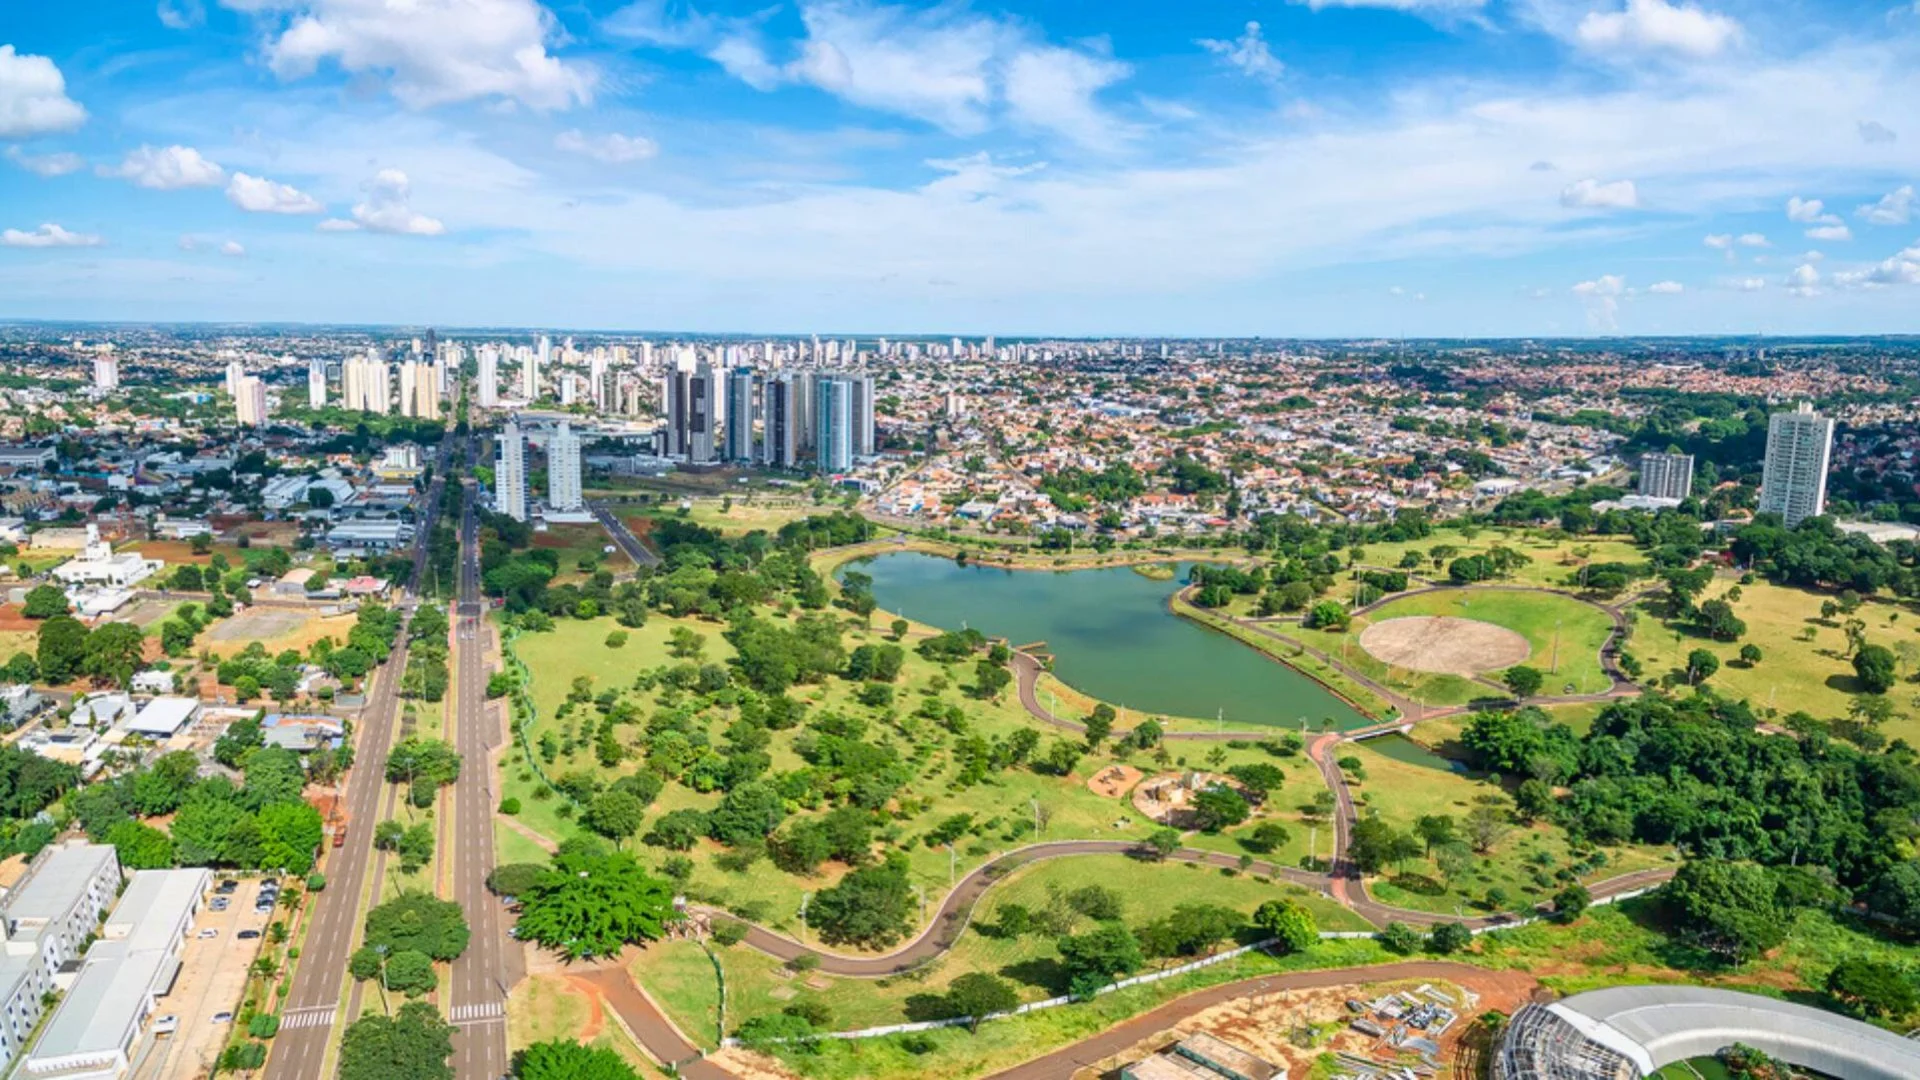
209, 932
166, 1025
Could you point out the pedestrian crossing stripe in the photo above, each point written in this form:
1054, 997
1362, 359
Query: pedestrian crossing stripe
487, 1011
310, 1018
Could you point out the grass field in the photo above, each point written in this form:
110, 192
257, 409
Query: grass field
1794, 673
544, 1007
1524, 863
576, 542
1554, 561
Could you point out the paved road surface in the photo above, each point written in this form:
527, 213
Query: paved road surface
629, 543
307, 1023
655, 1033
477, 990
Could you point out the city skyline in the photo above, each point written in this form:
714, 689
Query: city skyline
1311, 170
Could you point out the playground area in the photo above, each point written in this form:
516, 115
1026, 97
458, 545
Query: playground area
1114, 781
1168, 798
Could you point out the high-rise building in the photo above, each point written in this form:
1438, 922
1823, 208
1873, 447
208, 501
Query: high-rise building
691, 404
316, 383
235, 372
510, 473
863, 439
779, 428
1794, 481
740, 414
409, 390
106, 372
1666, 476
489, 377
379, 387
833, 421
426, 391
530, 372
250, 401
563, 470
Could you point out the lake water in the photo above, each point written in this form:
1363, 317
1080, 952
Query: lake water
1112, 637
1407, 752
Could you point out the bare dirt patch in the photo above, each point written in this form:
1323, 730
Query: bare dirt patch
1114, 781
1445, 645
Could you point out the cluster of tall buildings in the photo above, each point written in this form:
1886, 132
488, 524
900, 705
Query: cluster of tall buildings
773, 418
367, 384
565, 494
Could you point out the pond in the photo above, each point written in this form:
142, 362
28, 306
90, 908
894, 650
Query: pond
1407, 752
1111, 636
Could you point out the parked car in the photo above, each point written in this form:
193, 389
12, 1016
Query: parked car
249, 935
209, 932
166, 1025
223, 1018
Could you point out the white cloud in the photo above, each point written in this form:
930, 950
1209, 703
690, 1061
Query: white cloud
334, 224
1875, 132
1753, 240
181, 14
1652, 26
1433, 7
233, 250
1053, 89
48, 236
1604, 285
612, 148
387, 208
33, 97
1602, 298
1666, 288
1752, 284
166, 169
46, 165
1894, 208
1808, 211
263, 196
1600, 195
1248, 53
1830, 233
1719, 242
434, 51
1804, 281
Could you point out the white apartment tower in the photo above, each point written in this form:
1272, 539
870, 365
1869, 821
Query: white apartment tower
1666, 476
316, 383
235, 372
250, 401
563, 470
106, 372
510, 473
1799, 448
833, 415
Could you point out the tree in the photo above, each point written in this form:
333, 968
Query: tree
1217, 807
1701, 664
564, 1059
421, 922
1374, 844
289, 836
1400, 938
871, 906
141, 847
1486, 827
977, 994
114, 652
593, 902
1750, 654
1449, 937
1730, 908
1099, 725
1163, 842
748, 814
1870, 988
1328, 615
413, 1044
1876, 667
990, 679
1435, 830
1259, 779
1099, 956
1719, 621
1524, 681
409, 972
1571, 902
1289, 922
1265, 837
614, 814
45, 602
365, 963
62, 649
512, 879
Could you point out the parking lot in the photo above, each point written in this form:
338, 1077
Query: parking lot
213, 976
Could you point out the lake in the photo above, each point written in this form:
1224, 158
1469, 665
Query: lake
1111, 637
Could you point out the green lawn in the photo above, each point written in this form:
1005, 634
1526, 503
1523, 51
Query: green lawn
1794, 673
1554, 562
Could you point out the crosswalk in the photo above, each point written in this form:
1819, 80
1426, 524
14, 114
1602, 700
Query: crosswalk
317, 1016
477, 1014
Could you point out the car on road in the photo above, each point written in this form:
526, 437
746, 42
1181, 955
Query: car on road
249, 935
166, 1025
223, 1018
209, 932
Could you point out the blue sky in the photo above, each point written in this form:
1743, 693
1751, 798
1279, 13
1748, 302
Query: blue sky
1321, 168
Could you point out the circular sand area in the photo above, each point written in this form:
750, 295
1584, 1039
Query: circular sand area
1444, 644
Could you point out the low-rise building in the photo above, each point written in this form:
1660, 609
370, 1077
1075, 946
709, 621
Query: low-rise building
44, 921
164, 717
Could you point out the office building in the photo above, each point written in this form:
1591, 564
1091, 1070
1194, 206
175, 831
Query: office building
740, 415
316, 383
690, 406
833, 424
779, 428
44, 923
250, 401
563, 470
106, 372
510, 473
1666, 476
1799, 449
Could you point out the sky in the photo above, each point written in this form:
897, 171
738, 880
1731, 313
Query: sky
1320, 168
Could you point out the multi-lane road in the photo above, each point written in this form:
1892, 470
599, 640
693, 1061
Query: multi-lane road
313, 1004
476, 998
